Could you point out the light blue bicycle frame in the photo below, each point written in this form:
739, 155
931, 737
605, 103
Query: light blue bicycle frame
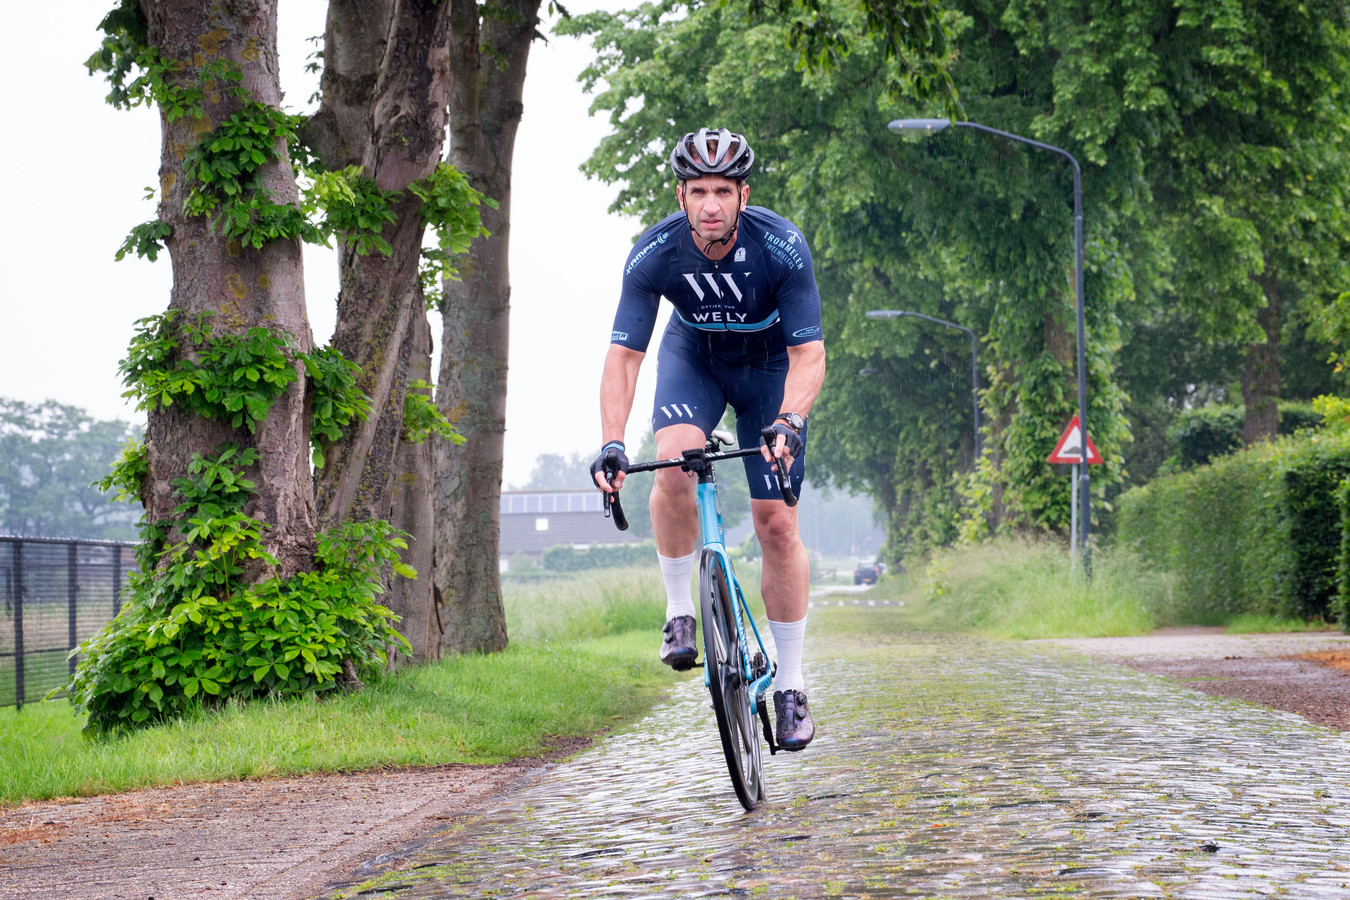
714, 539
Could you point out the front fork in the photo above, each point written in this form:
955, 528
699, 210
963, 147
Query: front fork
755, 670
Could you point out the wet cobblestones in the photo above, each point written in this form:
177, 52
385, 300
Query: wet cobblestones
943, 768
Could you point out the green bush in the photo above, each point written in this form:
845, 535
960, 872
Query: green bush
565, 558
195, 630
1259, 531
1201, 435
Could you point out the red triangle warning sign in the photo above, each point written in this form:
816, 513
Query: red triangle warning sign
1070, 447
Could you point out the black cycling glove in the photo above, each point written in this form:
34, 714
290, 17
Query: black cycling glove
794, 440
612, 460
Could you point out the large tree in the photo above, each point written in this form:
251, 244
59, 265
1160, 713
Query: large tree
1244, 151
489, 51
229, 207
237, 594
382, 121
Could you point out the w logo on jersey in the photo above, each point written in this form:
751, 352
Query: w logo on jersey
713, 286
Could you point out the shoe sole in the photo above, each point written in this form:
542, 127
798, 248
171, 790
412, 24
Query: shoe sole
681, 662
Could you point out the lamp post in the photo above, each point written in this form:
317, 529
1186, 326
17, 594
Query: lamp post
974, 360
934, 125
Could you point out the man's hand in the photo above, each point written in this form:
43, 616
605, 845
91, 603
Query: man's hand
787, 446
610, 466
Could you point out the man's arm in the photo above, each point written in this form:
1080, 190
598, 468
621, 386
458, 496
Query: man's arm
618, 385
805, 377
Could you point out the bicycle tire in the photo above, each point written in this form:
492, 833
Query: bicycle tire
722, 656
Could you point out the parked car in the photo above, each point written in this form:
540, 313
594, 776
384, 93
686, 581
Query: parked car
866, 573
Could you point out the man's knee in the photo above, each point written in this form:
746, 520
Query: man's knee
776, 526
673, 482
671, 442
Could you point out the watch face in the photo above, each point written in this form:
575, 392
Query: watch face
794, 421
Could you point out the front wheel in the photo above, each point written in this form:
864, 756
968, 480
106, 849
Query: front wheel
724, 660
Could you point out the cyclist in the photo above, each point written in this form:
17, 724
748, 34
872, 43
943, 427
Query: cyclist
746, 330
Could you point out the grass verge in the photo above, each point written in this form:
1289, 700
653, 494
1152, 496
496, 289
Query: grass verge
581, 660
1022, 589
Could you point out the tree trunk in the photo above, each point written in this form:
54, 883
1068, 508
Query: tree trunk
414, 511
1261, 368
485, 113
386, 87
242, 286
354, 41
379, 296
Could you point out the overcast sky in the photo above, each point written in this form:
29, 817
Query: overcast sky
77, 173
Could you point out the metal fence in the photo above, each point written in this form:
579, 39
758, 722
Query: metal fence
57, 593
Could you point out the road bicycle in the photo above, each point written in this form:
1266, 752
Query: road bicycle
736, 674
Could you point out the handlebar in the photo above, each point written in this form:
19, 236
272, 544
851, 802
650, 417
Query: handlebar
695, 460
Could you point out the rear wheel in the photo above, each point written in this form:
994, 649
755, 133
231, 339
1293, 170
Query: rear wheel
726, 681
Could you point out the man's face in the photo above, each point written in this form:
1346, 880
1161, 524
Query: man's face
712, 204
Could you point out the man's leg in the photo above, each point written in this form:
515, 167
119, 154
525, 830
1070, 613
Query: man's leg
675, 527
785, 581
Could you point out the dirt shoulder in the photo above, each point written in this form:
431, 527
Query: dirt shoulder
1304, 673
285, 838
271, 839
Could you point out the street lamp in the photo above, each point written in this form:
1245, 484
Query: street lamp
934, 125
974, 360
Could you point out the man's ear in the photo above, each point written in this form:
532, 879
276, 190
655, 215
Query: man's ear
745, 195
679, 195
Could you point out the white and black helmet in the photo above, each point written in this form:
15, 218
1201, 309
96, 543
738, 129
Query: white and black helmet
712, 151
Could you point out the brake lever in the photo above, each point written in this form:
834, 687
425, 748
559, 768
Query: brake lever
770, 438
614, 508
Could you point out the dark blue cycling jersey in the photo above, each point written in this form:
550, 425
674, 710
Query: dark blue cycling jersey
761, 296
734, 320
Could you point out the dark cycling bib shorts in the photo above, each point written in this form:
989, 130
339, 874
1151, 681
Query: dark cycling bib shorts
733, 321
694, 386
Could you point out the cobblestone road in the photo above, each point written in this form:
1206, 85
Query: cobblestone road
944, 768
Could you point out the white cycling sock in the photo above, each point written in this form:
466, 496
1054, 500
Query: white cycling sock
787, 640
675, 572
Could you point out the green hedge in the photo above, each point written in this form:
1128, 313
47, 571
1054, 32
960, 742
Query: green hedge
564, 558
1198, 436
1258, 531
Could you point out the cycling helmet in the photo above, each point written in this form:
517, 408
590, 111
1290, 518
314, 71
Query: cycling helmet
729, 155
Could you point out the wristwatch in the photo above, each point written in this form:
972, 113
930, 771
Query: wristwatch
794, 421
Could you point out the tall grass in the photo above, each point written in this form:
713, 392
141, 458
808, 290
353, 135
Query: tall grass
582, 657
1023, 589
587, 605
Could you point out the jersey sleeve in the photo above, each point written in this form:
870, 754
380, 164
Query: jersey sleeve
640, 296
798, 295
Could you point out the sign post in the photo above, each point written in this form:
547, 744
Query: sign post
1069, 451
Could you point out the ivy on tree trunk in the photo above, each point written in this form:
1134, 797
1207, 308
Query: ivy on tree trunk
242, 286
386, 86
